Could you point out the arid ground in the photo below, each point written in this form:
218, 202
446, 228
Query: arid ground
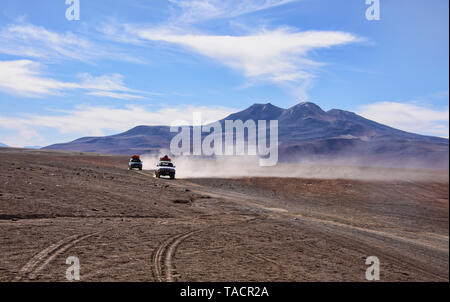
129, 226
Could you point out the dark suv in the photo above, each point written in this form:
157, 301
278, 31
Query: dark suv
135, 163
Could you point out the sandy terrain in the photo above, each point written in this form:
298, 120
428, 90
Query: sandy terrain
128, 226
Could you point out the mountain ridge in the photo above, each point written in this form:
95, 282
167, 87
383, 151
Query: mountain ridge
306, 132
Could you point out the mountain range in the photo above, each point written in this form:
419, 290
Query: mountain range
306, 133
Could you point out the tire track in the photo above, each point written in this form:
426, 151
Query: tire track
32, 268
163, 267
408, 254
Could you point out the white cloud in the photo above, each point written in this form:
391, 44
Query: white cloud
199, 10
115, 95
97, 121
409, 117
35, 41
30, 41
105, 82
279, 56
25, 78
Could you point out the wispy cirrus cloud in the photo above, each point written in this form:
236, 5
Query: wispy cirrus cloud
188, 11
116, 95
36, 42
409, 117
26, 78
108, 82
281, 55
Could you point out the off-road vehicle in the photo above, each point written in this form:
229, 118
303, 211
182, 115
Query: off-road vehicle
135, 163
165, 168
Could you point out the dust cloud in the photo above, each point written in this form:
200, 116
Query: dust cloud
248, 166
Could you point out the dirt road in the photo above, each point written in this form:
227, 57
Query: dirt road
129, 226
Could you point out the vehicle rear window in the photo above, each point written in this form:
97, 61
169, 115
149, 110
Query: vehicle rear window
164, 164
135, 160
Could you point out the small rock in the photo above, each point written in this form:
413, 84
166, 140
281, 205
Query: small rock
181, 201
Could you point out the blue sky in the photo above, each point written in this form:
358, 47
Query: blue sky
127, 63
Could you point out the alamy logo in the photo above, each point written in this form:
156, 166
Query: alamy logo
237, 139
373, 11
73, 11
73, 271
373, 271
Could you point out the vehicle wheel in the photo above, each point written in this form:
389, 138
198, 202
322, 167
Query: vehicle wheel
140, 169
172, 176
